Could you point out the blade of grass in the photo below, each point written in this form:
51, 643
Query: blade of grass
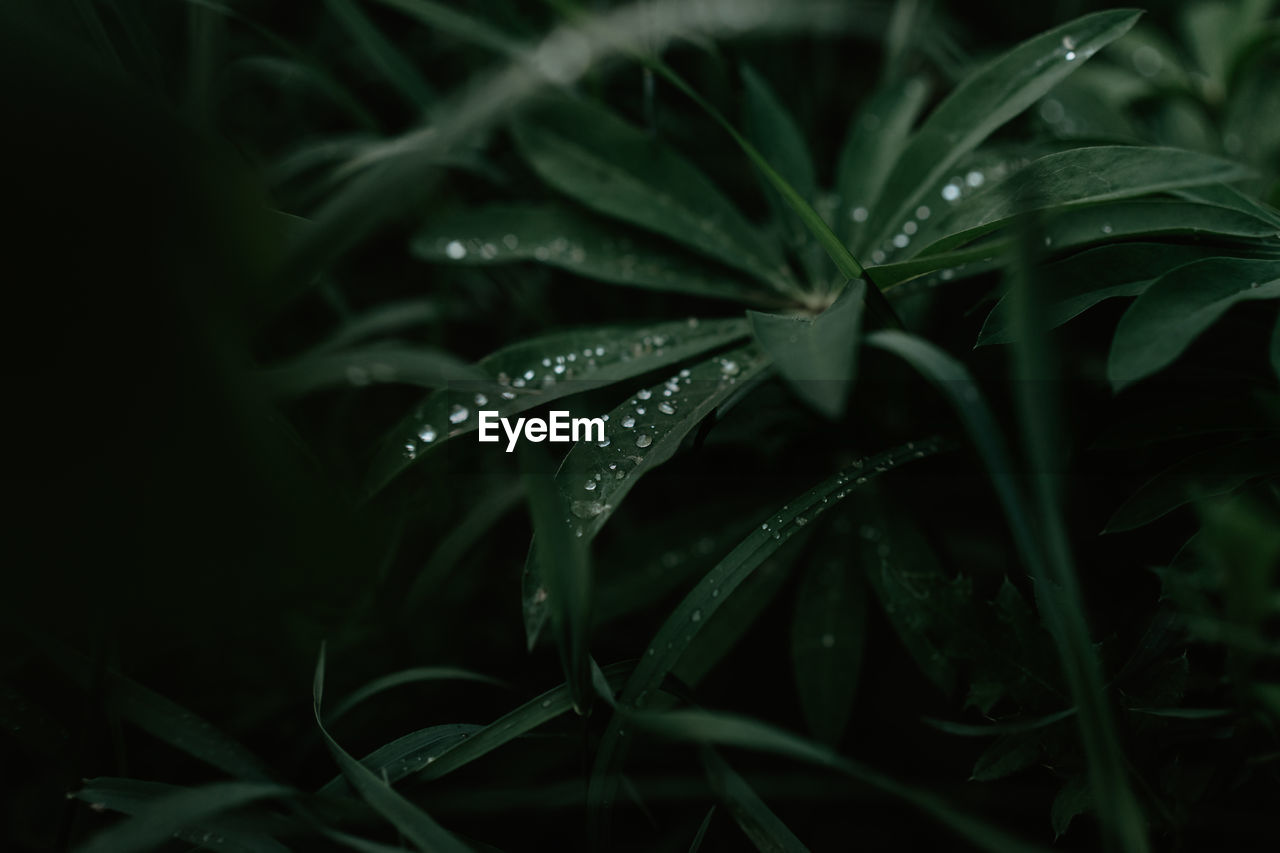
172, 814
706, 727
408, 676
766, 831
415, 824
537, 711
384, 56
565, 575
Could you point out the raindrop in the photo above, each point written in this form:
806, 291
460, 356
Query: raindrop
488, 251
559, 369
909, 228
859, 214
922, 212
546, 703
877, 256
975, 178
457, 414
1071, 55
508, 395
604, 443
951, 192
482, 400
590, 486
1106, 228
729, 367
628, 422
901, 241
639, 410
643, 440
427, 433
697, 616
644, 394
455, 250
528, 375
666, 408
511, 241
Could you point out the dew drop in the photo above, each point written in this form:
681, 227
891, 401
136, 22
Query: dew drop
922, 212
859, 214
511, 241
1071, 55
909, 228
697, 616
951, 192
457, 414
1107, 229
975, 178
603, 443
729, 367
644, 394
628, 422
901, 240
427, 433
590, 485
455, 250
666, 408
643, 440
482, 400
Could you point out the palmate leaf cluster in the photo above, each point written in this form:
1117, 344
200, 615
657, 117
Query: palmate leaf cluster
940, 458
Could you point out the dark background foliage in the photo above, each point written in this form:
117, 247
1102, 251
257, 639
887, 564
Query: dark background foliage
168, 519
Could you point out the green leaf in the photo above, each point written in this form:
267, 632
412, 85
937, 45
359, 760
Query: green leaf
595, 248
816, 355
1074, 798
828, 634
1180, 305
875, 139
565, 576
392, 64
640, 434
1007, 755
417, 366
687, 620
1077, 176
412, 822
765, 830
1009, 727
774, 133
696, 844
537, 711
605, 163
442, 18
1230, 198
1217, 471
242, 832
408, 754
982, 103
407, 676
731, 730
166, 720
178, 812
1075, 285
593, 358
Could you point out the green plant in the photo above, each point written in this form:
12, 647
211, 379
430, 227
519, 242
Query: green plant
833, 472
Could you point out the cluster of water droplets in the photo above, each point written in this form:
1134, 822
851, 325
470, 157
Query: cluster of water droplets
634, 427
